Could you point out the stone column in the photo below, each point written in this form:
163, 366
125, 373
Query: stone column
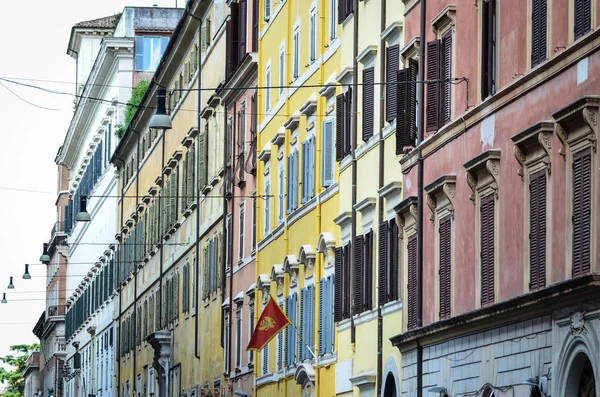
161, 343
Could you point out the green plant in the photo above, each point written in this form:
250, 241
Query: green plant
116, 19
136, 97
17, 364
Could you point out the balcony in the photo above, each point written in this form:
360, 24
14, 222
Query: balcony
58, 234
56, 311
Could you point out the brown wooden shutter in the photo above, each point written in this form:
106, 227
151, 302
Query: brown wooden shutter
339, 127
412, 282
433, 74
359, 242
254, 25
341, 11
538, 31
413, 71
337, 309
368, 103
391, 88
348, 122
583, 17
394, 265
582, 184
402, 138
488, 29
446, 75
229, 48
487, 250
445, 266
368, 272
383, 264
346, 281
243, 14
537, 230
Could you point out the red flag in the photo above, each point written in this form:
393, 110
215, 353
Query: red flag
271, 321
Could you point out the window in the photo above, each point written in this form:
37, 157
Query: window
185, 297
345, 8
388, 262
241, 143
308, 169
582, 14
313, 34
412, 282
226, 341
241, 233
391, 89
238, 335
236, 36
363, 272
254, 25
254, 200
487, 249
445, 263
265, 359
342, 283
537, 230
291, 311
327, 158
206, 35
292, 183
439, 68
267, 10
368, 104
306, 322
250, 330
229, 236
333, 19
268, 90
148, 52
488, 48
194, 281
280, 184
267, 215
279, 356
203, 158
212, 275
282, 82
296, 52
539, 9
326, 315
343, 125
582, 194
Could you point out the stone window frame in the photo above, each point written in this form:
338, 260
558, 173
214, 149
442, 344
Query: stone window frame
577, 130
406, 218
533, 151
441, 200
443, 22
483, 178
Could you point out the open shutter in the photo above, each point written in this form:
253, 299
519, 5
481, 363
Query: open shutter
412, 282
203, 160
537, 230
394, 264
446, 75
322, 331
433, 74
311, 320
487, 250
254, 25
339, 126
383, 264
338, 285
392, 64
413, 71
359, 242
445, 263
289, 185
327, 154
139, 53
242, 25
349, 113
312, 149
234, 22
402, 138
368, 103
304, 182
581, 212
341, 11
267, 10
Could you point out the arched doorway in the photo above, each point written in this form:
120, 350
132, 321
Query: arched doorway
390, 387
581, 381
587, 382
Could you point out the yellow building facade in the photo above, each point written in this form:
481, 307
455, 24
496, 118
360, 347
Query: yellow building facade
298, 56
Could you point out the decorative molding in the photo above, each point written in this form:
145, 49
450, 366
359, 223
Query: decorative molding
207, 112
392, 32
292, 122
581, 113
406, 207
444, 185
279, 137
309, 106
345, 74
446, 18
487, 162
367, 55
410, 50
329, 87
529, 141
265, 153
366, 204
342, 218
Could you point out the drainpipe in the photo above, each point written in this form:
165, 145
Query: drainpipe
198, 121
382, 91
161, 245
119, 265
420, 197
354, 174
136, 248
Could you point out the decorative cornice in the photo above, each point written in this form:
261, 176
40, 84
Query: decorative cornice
446, 17
367, 55
411, 49
445, 185
530, 140
265, 153
279, 137
343, 218
583, 112
393, 30
390, 188
346, 73
292, 122
488, 161
365, 204
309, 106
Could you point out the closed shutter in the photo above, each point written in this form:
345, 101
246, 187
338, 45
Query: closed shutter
368, 272
537, 230
234, 46
303, 322
538, 31
583, 17
279, 349
203, 160
402, 138
412, 282
487, 250
445, 266
339, 125
345, 301
310, 320
304, 194
341, 11
394, 264
329, 314
327, 154
294, 354
349, 113
582, 183
296, 170
288, 330
359, 242
185, 295
267, 10
446, 75
368, 103
312, 149
338, 285
383, 264
282, 82
254, 25
392, 64
322, 330
242, 30
413, 72
433, 74
139, 53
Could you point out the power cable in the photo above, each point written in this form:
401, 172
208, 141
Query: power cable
25, 100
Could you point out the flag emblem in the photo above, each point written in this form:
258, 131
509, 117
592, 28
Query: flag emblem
271, 321
266, 323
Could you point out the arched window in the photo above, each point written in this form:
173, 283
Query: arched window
587, 382
390, 387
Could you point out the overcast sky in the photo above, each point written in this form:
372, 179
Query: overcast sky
33, 42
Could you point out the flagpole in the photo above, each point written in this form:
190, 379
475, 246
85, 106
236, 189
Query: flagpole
305, 344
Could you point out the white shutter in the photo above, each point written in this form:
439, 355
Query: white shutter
267, 10
282, 81
268, 90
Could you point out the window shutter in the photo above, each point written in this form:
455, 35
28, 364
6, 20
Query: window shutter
296, 54
329, 313
311, 319
229, 47
267, 9
338, 285
402, 110
139, 53
311, 168
289, 184
235, 35
368, 272
268, 90
368, 103
295, 171
349, 113
313, 36
242, 26
383, 264
391, 91
359, 243
279, 351
582, 184
202, 160
445, 266
446, 74
341, 11
254, 25
282, 82
583, 17
412, 282
294, 335
322, 330
537, 230
538, 31
433, 73
304, 182
303, 322
487, 250
339, 125
413, 71
327, 153
288, 303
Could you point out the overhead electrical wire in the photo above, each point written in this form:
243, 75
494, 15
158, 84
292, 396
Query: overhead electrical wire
25, 100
